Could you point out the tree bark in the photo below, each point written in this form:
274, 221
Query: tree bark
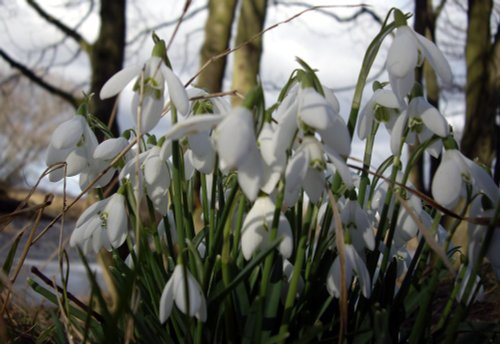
247, 58
217, 39
425, 24
106, 57
482, 84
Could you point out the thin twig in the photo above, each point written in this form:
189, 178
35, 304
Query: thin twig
258, 35
73, 298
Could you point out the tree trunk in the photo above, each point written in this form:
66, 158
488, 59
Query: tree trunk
425, 24
247, 58
106, 57
217, 38
481, 86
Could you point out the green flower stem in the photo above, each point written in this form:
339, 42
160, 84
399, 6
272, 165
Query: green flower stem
385, 211
292, 288
459, 314
237, 229
451, 300
369, 58
270, 259
227, 277
367, 158
204, 199
212, 211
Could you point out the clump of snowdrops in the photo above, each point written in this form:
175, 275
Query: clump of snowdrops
247, 224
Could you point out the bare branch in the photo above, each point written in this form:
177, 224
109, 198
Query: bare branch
184, 16
355, 15
256, 36
60, 25
38, 80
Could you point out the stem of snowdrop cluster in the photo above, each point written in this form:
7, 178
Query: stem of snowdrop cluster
385, 211
269, 261
292, 288
451, 331
367, 158
369, 58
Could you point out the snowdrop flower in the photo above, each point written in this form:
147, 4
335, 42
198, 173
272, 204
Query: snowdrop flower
103, 225
150, 85
321, 114
477, 290
407, 51
382, 107
287, 278
175, 291
257, 225
236, 145
103, 154
157, 179
455, 172
72, 142
355, 220
305, 170
423, 120
354, 264
477, 234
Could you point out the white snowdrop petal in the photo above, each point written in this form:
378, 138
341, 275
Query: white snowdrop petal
55, 155
314, 110
251, 174
447, 183
337, 136
193, 125
297, 168
118, 81
153, 168
402, 56
237, 125
397, 133
386, 98
251, 240
314, 184
341, 167
177, 92
361, 271
366, 120
332, 99
116, 219
77, 161
484, 182
110, 148
166, 301
402, 86
435, 121
68, 134
151, 113
285, 232
435, 58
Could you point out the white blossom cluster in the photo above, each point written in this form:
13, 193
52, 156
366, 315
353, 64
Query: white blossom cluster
300, 146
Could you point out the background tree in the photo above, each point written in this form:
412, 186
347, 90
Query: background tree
247, 58
105, 55
482, 56
218, 27
425, 23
